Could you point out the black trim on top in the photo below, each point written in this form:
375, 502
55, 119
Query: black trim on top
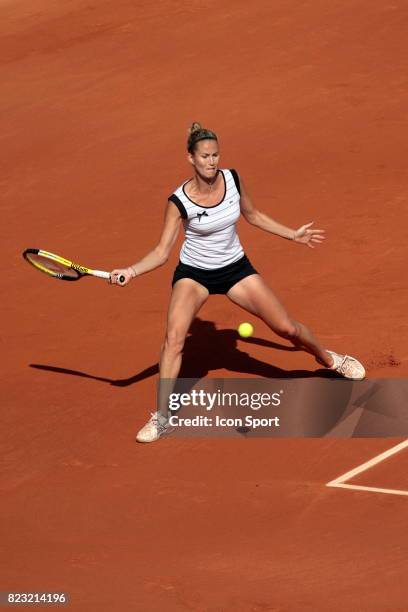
173, 198
214, 205
236, 180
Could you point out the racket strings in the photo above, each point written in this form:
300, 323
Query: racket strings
51, 266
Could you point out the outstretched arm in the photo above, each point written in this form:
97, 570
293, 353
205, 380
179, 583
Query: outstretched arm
303, 235
157, 256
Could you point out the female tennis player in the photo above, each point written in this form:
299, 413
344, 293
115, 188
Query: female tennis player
212, 261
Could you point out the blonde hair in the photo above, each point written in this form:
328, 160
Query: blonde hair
197, 133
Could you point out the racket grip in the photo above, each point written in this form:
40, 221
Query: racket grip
121, 279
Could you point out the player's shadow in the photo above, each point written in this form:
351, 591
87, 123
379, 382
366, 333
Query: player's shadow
206, 349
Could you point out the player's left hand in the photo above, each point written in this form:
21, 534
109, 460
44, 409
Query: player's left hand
308, 236
125, 273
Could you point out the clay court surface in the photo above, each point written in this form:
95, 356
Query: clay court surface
309, 99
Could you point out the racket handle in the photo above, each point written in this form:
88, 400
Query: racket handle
121, 279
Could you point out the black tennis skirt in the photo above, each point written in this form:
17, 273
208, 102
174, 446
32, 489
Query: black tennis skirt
218, 281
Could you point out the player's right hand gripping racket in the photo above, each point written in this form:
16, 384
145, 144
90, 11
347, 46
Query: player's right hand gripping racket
59, 267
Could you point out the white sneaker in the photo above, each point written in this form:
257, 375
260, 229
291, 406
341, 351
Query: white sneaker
347, 366
155, 427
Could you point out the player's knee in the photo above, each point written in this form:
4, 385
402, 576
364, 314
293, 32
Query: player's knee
288, 329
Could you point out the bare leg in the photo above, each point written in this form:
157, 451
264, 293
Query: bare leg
254, 295
186, 300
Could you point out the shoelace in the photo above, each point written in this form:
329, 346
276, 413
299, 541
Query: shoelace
346, 365
161, 427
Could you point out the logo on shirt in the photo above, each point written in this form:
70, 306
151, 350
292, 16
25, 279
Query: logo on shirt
203, 214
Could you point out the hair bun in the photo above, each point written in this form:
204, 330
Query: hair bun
197, 133
195, 127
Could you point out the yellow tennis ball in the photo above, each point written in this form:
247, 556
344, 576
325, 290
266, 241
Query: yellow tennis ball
245, 330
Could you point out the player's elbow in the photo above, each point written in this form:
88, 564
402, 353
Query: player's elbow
162, 255
251, 216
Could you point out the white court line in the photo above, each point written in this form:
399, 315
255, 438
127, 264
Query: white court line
372, 489
339, 482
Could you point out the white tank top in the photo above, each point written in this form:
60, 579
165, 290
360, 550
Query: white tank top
211, 240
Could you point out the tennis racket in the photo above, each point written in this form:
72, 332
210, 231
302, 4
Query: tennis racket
59, 267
